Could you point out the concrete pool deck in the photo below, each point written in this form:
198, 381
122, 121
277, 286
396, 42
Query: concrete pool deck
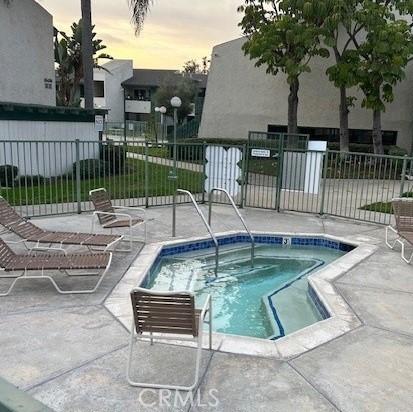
70, 352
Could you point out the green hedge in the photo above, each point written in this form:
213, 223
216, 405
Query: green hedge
8, 174
368, 148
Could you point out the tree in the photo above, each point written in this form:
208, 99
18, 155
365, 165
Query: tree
185, 88
335, 18
139, 9
192, 66
279, 37
87, 53
68, 56
383, 57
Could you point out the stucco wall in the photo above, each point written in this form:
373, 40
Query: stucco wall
120, 70
26, 53
241, 98
46, 148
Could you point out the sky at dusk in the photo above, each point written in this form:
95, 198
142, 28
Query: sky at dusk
175, 30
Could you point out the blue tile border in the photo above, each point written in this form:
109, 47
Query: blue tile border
322, 310
261, 239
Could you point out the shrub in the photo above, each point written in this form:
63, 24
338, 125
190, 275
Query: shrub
115, 157
31, 180
368, 148
8, 174
90, 168
187, 152
396, 151
353, 147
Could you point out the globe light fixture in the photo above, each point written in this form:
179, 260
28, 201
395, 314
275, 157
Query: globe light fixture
176, 102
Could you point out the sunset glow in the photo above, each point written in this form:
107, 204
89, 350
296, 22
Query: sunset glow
175, 31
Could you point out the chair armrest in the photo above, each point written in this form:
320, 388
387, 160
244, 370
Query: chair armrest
97, 212
206, 307
125, 215
132, 209
47, 249
15, 242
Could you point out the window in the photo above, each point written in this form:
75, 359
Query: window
142, 94
360, 136
99, 88
138, 117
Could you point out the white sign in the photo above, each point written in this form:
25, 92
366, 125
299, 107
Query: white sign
98, 123
260, 153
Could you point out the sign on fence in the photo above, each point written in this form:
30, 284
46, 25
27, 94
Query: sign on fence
99, 123
260, 153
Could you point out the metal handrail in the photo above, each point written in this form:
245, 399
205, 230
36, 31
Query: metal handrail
219, 189
201, 215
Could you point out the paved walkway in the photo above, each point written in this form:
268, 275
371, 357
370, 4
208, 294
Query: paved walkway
194, 167
70, 353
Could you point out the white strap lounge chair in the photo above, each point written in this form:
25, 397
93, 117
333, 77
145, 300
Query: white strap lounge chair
167, 316
33, 266
403, 229
109, 217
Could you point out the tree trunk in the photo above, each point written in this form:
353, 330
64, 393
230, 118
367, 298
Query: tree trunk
377, 133
293, 107
87, 52
344, 112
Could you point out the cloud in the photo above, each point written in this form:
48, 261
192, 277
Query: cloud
174, 31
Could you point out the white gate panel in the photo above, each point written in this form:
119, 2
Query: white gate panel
223, 168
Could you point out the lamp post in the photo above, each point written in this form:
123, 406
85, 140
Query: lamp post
157, 110
176, 103
162, 110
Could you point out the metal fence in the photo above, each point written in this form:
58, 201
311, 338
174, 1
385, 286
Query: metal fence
50, 177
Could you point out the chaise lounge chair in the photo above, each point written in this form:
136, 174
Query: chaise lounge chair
109, 218
10, 263
403, 215
29, 232
159, 314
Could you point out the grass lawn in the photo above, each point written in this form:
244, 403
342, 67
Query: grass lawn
383, 207
152, 151
263, 166
129, 185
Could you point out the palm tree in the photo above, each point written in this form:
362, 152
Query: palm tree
87, 52
139, 9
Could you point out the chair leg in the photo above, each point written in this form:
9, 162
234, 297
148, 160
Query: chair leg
133, 338
11, 286
210, 325
130, 356
391, 244
407, 260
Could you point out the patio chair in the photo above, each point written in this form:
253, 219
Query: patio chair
31, 233
109, 218
167, 316
10, 263
403, 215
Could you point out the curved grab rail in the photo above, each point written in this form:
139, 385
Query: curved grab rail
201, 215
219, 189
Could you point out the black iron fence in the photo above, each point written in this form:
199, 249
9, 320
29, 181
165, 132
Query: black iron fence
55, 177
